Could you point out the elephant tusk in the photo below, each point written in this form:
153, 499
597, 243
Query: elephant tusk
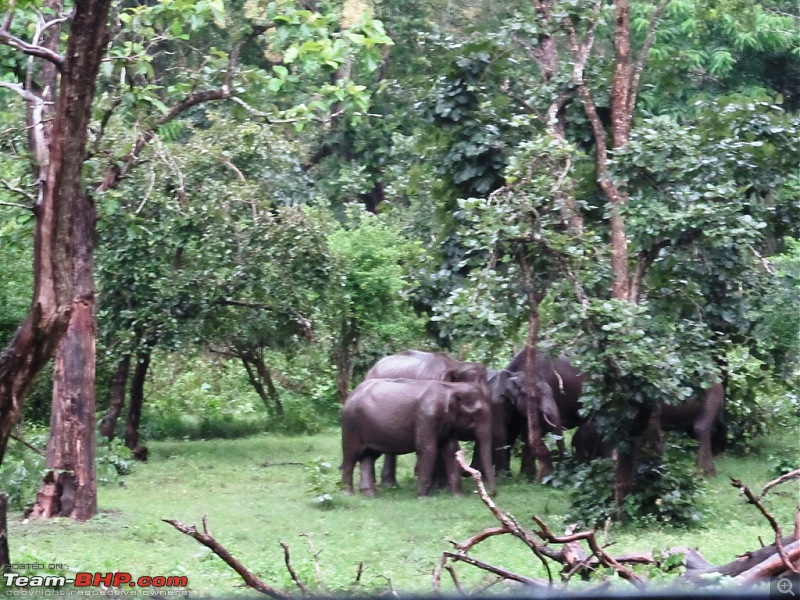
548, 421
560, 381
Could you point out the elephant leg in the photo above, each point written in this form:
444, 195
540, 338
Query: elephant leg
705, 456
367, 483
527, 467
426, 465
389, 471
453, 471
348, 464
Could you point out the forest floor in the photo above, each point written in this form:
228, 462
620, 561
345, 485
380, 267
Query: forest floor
257, 491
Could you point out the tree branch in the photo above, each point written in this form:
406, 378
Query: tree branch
209, 542
638, 67
775, 527
782, 479
29, 49
287, 560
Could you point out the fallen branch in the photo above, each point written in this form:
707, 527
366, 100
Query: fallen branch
209, 542
775, 527
782, 479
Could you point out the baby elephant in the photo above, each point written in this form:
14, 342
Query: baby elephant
399, 416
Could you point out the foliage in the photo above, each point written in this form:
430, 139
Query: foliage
113, 460
667, 492
22, 470
323, 482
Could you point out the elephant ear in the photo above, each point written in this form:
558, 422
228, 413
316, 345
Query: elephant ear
498, 383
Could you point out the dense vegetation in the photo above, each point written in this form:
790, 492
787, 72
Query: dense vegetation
285, 192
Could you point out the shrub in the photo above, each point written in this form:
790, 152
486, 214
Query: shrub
664, 492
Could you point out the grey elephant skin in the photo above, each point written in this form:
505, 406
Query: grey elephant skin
559, 384
700, 418
399, 416
437, 366
510, 414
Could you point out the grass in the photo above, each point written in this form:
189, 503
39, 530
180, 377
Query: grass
256, 493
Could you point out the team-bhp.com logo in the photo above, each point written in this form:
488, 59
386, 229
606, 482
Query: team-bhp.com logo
96, 581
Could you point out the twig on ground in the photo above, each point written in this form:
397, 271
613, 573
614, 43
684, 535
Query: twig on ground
288, 562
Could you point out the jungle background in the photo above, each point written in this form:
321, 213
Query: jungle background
278, 194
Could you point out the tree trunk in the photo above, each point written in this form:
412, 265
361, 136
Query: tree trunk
135, 406
70, 449
5, 557
60, 192
265, 376
530, 382
259, 378
119, 387
344, 359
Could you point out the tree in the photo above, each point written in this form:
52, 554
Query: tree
58, 149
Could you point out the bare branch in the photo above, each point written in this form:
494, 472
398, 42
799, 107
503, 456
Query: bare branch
209, 542
604, 558
775, 527
28, 96
782, 479
15, 205
505, 574
287, 560
30, 49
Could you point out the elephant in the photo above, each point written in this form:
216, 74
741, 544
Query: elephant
564, 379
399, 416
510, 414
438, 366
560, 386
699, 417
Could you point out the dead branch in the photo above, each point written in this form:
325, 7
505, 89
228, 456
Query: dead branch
467, 544
775, 527
604, 558
454, 577
504, 573
782, 479
19, 440
508, 521
774, 565
209, 542
288, 562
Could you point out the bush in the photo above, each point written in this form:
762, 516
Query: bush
23, 469
665, 492
113, 460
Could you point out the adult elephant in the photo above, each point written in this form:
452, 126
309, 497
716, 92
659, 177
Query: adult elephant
399, 416
437, 366
564, 379
510, 414
560, 386
699, 417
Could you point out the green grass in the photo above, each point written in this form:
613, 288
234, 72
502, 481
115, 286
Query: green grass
252, 501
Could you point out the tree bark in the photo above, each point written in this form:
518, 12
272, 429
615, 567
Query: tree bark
259, 378
136, 401
119, 388
70, 488
60, 194
530, 382
5, 556
344, 359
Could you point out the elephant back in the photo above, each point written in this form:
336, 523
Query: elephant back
416, 364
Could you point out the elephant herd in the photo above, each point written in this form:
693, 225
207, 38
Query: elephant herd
427, 402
